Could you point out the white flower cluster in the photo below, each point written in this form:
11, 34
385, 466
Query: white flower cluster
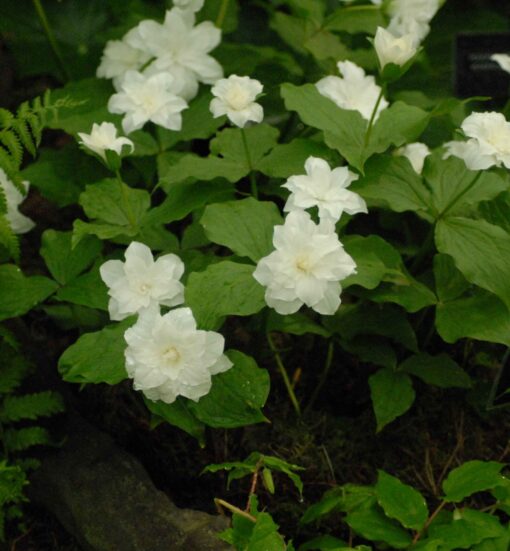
167, 356
18, 222
309, 261
156, 67
411, 17
488, 144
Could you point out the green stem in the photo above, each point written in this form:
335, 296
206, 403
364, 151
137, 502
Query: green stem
456, 199
126, 205
285, 377
253, 181
420, 533
372, 117
222, 13
324, 375
51, 38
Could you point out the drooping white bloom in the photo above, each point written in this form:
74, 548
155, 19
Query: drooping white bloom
102, 137
503, 60
324, 188
488, 144
181, 49
18, 222
411, 17
119, 57
235, 97
355, 91
140, 282
416, 153
306, 267
193, 5
394, 49
148, 98
168, 357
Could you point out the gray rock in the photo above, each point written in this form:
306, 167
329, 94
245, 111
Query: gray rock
104, 497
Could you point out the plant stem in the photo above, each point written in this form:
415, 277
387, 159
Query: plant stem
220, 503
372, 117
253, 181
420, 533
126, 205
324, 375
222, 13
51, 38
455, 200
283, 372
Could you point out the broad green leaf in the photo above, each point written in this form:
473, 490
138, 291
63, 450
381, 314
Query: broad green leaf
228, 144
186, 197
145, 144
356, 19
471, 477
455, 188
277, 464
223, 289
497, 211
371, 349
265, 535
391, 182
401, 502
450, 283
285, 160
439, 371
324, 543
96, 357
245, 227
392, 395
179, 415
494, 544
236, 395
483, 317
101, 230
471, 528
481, 252
86, 290
294, 324
64, 262
373, 525
331, 501
295, 31
19, 294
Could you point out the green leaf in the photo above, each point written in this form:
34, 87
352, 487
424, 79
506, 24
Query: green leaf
483, 317
392, 395
455, 188
439, 371
102, 231
86, 290
8, 239
223, 289
356, 19
481, 252
285, 160
179, 415
245, 227
19, 294
265, 535
64, 262
324, 543
450, 283
17, 440
277, 464
372, 525
294, 324
31, 406
236, 396
401, 502
497, 211
97, 357
471, 477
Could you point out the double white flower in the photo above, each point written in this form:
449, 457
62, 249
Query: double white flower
488, 144
411, 17
355, 91
394, 49
141, 283
18, 222
235, 97
324, 188
103, 137
167, 356
306, 267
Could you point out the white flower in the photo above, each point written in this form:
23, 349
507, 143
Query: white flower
416, 153
181, 49
192, 5
102, 137
235, 97
394, 49
324, 188
140, 283
168, 357
152, 98
18, 222
412, 17
119, 57
354, 91
489, 143
503, 60
306, 267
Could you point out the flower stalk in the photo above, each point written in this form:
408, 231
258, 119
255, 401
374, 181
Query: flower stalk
253, 181
372, 116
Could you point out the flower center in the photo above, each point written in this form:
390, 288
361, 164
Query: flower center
303, 264
144, 288
171, 355
238, 98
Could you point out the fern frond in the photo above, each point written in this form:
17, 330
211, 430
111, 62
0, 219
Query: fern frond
13, 369
31, 406
22, 129
22, 439
3, 201
8, 337
6, 118
12, 481
11, 170
9, 239
13, 145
